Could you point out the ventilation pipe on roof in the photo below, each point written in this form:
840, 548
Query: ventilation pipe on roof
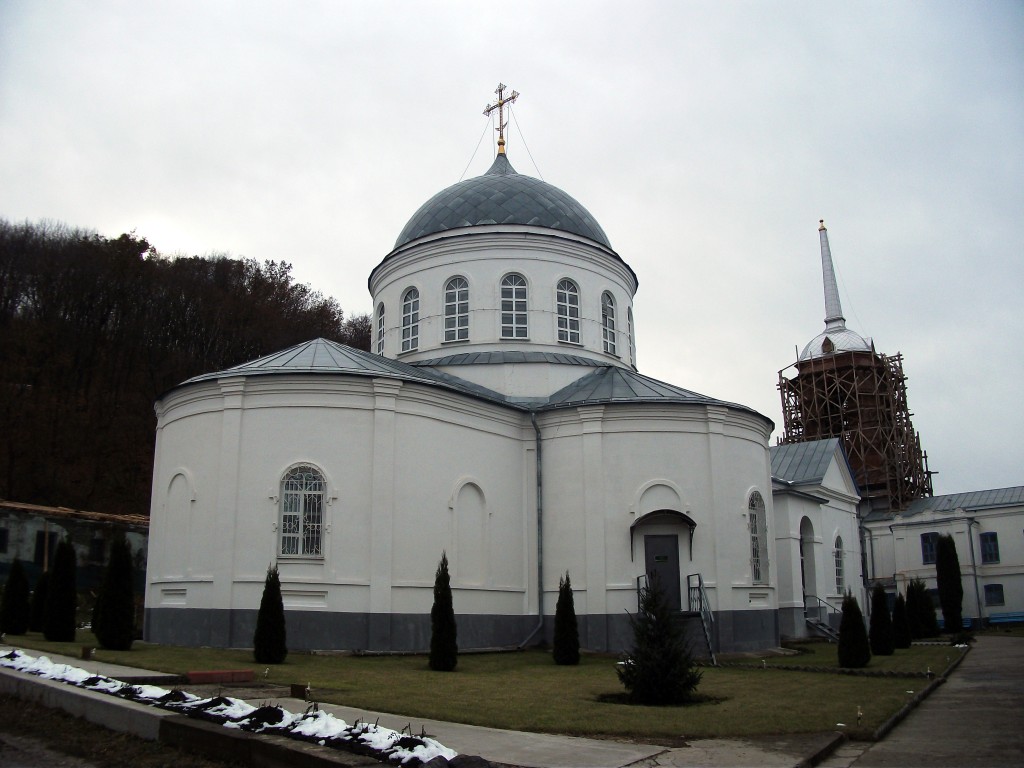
540, 536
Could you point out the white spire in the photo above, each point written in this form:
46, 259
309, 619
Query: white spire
833, 309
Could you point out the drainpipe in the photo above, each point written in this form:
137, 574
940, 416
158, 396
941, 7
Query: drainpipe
540, 535
971, 522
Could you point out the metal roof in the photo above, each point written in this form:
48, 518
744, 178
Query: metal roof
605, 384
611, 384
322, 356
803, 463
502, 196
997, 497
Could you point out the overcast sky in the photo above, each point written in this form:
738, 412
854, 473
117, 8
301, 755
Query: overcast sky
707, 138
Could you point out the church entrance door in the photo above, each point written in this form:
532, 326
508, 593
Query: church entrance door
661, 557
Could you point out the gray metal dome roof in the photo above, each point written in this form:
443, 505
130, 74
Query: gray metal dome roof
842, 339
502, 196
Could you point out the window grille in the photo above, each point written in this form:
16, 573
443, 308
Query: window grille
302, 503
567, 304
514, 307
456, 310
929, 542
608, 322
838, 554
989, 547
758, 540
994, 594
380, 329
410, 320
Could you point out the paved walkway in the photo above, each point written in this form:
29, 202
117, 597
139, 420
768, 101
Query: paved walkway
975, 719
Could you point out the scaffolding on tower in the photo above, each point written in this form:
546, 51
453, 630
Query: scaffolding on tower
861, 398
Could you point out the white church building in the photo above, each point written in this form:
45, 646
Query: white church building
500, 419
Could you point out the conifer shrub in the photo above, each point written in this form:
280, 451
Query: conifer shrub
37, 606
950, 583
659, 668
270, 640
113, 615
567, 635
854, 649
921, 611
62, 595
444, 644
15, 610
883, 642
900, 623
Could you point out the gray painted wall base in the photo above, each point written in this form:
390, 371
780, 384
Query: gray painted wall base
319, 630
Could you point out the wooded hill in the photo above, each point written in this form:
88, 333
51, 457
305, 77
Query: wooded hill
93, 330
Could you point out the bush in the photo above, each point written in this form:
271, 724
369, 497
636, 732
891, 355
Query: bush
900, 624
883, 643
113, 616
37, 608
854, 650
950, 583
444, 645
62, 596
921, 611
269, 642
567, 635
15, 610
659, 669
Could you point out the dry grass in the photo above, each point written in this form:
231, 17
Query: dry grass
526, 691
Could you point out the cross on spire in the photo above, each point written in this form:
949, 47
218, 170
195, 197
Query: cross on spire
500, 106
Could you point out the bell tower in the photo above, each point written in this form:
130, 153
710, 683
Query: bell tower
840, 386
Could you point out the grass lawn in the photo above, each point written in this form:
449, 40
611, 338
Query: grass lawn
527, 691
916, 659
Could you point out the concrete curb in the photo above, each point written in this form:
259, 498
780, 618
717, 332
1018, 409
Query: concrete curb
825, 750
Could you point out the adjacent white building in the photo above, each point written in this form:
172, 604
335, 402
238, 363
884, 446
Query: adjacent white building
988, 530
501, 419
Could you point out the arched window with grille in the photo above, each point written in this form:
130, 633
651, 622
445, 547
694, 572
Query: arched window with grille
302, 512
567, 307
410, 320
758, 539
514, 307
838, 554
608, 322
456, 309
380, 328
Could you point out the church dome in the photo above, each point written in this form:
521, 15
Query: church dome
502, 196
834, 341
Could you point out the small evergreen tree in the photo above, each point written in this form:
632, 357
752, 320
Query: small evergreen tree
854, 650
567, 635
62, 596
37, 608
269, 642
921, 611
444, 645
900, 624
113, 616
15, 610
950, 583
883, 643
659, 668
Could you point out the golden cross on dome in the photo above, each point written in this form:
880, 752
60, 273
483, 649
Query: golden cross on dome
500, 106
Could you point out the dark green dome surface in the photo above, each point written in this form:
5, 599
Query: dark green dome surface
502, 196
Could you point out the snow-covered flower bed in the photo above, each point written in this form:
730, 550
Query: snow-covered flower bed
314, 725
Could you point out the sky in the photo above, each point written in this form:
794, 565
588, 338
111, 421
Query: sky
707, 138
